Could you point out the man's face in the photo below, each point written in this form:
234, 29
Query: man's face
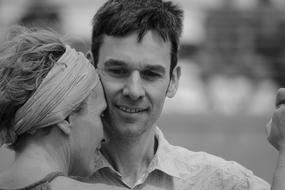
136, 80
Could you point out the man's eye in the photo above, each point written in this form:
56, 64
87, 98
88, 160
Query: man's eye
151, 75
117, 72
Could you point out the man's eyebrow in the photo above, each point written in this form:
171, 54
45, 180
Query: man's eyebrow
156, 68
114, 62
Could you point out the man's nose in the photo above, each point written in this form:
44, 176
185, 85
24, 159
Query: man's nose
134, 87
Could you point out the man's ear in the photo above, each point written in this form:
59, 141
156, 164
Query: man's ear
174, 82
65, 126
89, 56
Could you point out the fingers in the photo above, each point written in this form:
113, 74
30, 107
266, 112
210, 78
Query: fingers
280, 97
277, 128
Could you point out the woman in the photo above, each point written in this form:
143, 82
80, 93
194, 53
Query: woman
51, 100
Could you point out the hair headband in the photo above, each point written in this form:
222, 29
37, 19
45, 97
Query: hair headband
66, 85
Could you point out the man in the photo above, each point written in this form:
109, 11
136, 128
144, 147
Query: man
134, 46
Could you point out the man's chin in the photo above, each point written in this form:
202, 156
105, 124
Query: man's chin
130, 130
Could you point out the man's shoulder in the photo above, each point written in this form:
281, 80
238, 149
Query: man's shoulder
211, 169
187, 158
192, 158
184, 157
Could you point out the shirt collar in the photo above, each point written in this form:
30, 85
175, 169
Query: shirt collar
101, 161
164, 160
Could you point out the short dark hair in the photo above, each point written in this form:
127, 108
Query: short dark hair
122, 17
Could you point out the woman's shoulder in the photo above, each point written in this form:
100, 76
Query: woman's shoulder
43, 184
63, 182
57, 181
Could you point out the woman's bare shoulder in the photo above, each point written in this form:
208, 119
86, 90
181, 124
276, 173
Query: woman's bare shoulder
62, 182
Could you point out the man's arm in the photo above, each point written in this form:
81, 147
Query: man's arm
276, 136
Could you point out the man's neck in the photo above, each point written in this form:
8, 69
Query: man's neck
131, 156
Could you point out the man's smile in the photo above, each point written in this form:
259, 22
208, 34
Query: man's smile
130, 109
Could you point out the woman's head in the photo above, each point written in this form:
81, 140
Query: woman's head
44, 84
26, 56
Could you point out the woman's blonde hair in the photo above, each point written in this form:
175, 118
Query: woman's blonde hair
26, 56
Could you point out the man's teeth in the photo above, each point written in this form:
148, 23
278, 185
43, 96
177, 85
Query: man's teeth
131, 110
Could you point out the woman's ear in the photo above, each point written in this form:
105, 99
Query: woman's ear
174, 82
65, 126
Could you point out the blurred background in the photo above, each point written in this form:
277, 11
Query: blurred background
232, 58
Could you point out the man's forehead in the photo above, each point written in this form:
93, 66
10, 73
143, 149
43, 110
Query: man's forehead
151, 38
149, 48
